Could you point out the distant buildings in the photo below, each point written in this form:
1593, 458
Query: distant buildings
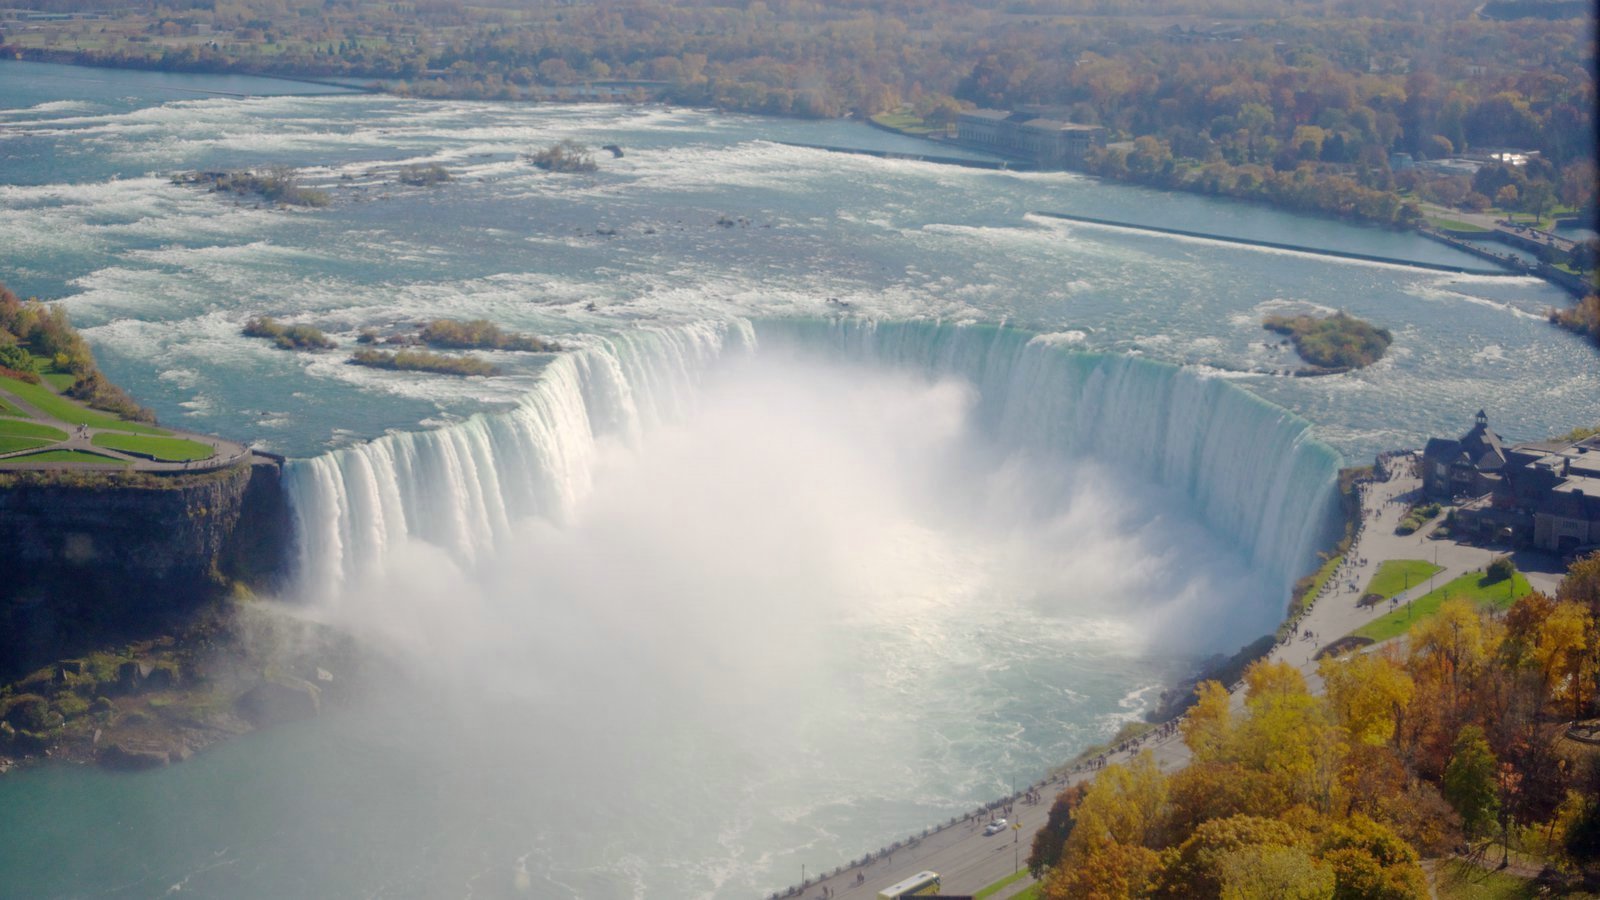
1047, 142
1544, 494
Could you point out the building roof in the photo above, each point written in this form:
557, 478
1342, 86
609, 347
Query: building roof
1441, 449
1483, 447
1575, 498
992, 115
1056, 125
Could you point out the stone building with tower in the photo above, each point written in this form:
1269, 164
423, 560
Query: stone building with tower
1544, 494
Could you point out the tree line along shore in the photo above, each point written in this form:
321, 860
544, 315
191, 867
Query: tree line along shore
1363, 109
1473, 745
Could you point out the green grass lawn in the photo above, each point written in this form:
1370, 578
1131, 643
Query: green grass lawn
164, 449
1499, 594
7, 409
68, 456
21, 434
60, 379
10, 444
1031, 892
1455, 225
1000, 885
905, 122
1396, 575
30, 429
58, 407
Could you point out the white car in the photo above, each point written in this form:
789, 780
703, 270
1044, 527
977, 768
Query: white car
995, 827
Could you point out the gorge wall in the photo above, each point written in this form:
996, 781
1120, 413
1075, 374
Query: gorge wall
95, 560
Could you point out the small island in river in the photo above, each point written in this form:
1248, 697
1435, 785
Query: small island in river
1332, 344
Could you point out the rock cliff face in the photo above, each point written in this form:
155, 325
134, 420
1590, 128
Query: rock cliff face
86, 562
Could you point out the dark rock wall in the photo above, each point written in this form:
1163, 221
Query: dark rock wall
97, 561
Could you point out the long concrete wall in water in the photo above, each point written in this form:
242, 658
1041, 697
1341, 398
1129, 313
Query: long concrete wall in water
1275, 245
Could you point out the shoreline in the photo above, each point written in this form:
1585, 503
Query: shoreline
1571, 285
960, 857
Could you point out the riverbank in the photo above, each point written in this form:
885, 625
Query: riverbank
1575, 284
236, 666
968, 860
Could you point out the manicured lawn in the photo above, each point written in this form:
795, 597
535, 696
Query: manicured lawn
13, 444
6, 409
1499, 594
29, 429
1396, 575
905, 122
1031, 892
67, 456
1454, 225
1001, 884
59, 407
164, 449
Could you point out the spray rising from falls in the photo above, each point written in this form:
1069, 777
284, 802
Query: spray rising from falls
1251, 470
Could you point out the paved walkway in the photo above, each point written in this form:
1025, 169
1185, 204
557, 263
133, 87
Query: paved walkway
967, 860
81, 438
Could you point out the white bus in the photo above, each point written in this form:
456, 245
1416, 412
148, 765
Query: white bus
917, 885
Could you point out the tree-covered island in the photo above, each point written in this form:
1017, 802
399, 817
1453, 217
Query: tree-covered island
1334, 343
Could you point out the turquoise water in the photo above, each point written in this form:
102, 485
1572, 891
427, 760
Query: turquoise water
716, 594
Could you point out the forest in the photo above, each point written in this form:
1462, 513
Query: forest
1297, 103
1452, 749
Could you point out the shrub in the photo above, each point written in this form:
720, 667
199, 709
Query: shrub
27, 712
1583, 319
481, 334
278, 185
291, 337
566, 156
423, 361
70, 706
17, 359
1500, 569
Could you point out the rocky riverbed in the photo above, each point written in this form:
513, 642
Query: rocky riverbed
238, 666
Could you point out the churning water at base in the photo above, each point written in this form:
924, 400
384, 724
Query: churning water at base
717, 601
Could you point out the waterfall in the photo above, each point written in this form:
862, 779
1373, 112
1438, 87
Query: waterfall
460, 487
1250, 469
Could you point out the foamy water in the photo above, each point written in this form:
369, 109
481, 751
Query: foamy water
792, 554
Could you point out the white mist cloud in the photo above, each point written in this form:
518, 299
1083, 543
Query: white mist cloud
720, 556
824, 588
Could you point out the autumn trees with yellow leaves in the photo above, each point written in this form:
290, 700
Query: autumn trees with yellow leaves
1407, 752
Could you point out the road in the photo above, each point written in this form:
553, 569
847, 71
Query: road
968, 860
